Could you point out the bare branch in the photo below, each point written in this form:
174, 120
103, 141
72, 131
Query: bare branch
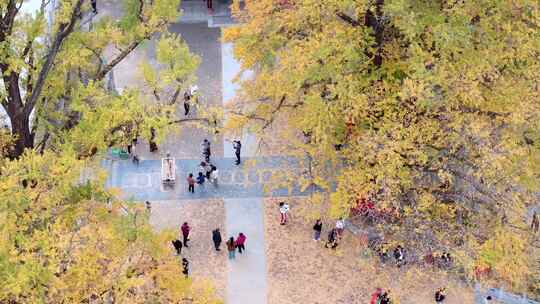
175, 96
348, 19
188, 120
123, 54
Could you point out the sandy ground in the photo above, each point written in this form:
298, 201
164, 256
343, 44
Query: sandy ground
206, 265
301, 270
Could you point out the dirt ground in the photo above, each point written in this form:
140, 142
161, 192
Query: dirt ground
301, 270
206, 265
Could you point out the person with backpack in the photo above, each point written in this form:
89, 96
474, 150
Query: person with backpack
440, 295
216, 238
191, 183
237, 146
317, 228
240, 241
231, 247
185, 233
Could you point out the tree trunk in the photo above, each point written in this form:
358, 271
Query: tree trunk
20, 126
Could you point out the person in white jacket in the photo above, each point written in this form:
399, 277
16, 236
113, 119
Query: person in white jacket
340, 225
214, 175
284, 212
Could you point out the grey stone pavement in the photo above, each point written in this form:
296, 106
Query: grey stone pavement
240, 187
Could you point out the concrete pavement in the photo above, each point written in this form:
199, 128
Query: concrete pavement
246, 279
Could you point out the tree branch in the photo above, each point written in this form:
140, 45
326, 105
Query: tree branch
123, 54
64, 31
188, 119
348, 19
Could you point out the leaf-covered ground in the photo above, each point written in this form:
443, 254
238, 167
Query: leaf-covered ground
301, 270
203, 216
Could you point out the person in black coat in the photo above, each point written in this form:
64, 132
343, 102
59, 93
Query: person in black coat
185, 267
216, 238
177, 246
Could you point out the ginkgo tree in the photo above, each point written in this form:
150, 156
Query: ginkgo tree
64, 237
428, 109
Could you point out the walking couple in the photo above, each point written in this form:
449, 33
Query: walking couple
239, 243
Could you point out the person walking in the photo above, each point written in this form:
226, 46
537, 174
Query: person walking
332, 239
187, 97
177, 244
317, 228
191, 183
216, 238
185, 233
399, 255
200, 179
231, 247
185, 267
205, 147
208, 171
152, 144
535, 223
440, 295
148, 207
94, 6
340, 225
375, 296
240, 242
284, 212
385, 298
237, 146
214, 175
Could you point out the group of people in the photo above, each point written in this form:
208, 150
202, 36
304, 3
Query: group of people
239, 243
380, 296
334, 235
207, 170
177, 244
232, 244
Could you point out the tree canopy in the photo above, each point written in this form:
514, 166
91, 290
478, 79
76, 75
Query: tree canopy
65, 238
429, 109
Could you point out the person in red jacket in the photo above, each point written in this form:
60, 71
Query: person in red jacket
185, 232
375, 296
240, 241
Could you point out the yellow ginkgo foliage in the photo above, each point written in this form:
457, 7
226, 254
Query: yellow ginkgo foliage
428, 109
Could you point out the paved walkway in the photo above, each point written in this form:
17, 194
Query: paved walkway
246, 280
241, 187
